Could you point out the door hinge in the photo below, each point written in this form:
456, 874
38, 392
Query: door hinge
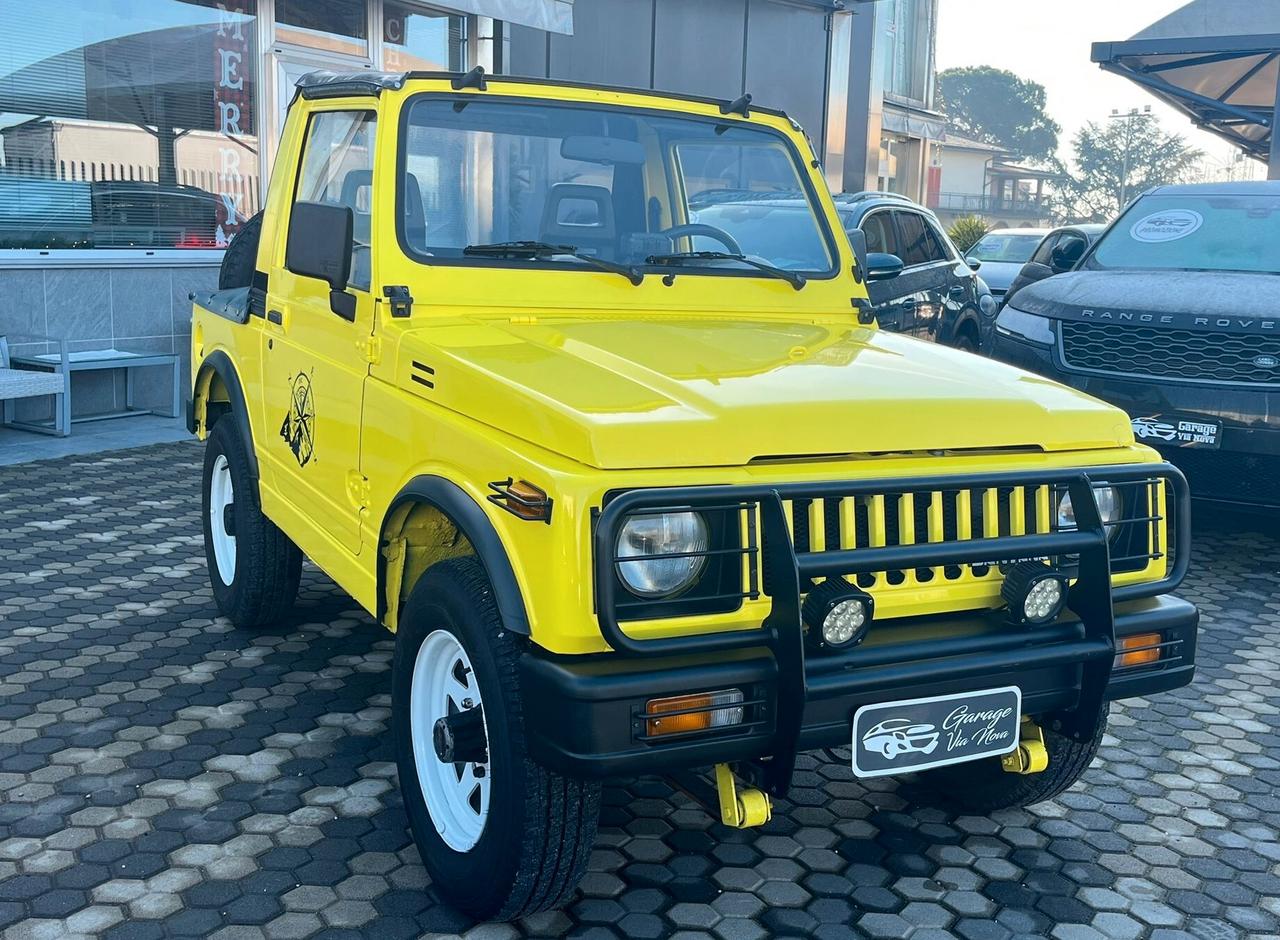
358, 489
370, 347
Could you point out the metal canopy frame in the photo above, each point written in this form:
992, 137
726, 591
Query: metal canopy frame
1216, 115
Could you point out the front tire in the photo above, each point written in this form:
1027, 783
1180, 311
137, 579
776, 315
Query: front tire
983, 786
502, 837
254, 568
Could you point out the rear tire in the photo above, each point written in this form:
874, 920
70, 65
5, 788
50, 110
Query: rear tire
518, 843
983, 786
254, 568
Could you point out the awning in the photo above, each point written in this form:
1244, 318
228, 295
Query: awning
554, 16
1217, 61
913, 122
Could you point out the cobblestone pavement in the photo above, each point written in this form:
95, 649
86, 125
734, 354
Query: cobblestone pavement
163, 774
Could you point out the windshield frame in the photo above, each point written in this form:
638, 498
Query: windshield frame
800, 164
1084, 264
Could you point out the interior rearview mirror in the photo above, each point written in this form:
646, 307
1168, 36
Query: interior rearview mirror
881, 266
610, 151
319, 246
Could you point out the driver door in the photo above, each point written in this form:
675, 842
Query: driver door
314, 360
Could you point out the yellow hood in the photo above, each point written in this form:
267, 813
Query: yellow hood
665, 391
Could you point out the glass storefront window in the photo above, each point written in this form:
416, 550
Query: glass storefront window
127, 124
340, 26
422, 40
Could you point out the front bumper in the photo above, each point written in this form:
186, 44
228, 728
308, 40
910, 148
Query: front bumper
1244, 470
587, 715
583, 715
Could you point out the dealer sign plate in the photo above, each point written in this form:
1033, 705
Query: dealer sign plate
901, 737
1178, 430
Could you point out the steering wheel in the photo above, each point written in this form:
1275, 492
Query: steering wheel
710, 231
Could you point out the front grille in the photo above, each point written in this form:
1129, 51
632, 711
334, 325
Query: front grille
1181, 354
1245, 478
1139, 540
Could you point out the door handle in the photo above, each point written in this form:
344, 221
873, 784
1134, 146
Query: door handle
276, 317
909, 303
957, 289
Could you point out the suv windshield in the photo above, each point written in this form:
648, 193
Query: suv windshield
1194, 233
623, 186
1013, 248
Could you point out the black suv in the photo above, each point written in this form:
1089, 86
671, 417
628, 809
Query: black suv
937, 295
919, 283
1174, 315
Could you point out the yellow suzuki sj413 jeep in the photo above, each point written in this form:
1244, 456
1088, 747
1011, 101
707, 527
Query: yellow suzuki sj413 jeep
577, 391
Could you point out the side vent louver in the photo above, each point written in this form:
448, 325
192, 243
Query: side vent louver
423, 374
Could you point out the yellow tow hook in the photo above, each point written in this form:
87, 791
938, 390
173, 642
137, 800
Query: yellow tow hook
740, 808
1031, 756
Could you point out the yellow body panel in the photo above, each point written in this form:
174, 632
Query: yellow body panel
582, 384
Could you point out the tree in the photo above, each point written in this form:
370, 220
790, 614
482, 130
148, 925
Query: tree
997, 107
966, 231
1115, 162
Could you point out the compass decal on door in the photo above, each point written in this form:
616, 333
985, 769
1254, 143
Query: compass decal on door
298, 428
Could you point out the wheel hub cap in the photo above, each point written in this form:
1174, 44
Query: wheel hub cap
221, 518
450, 740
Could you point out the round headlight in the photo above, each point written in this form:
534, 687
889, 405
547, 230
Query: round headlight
643, 537
1108, 507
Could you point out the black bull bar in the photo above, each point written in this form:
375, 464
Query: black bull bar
786, 569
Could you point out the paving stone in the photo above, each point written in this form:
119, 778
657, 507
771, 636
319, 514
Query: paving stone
163, 774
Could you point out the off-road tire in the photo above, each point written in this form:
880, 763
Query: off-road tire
241, 257
541, 825
982, 786
268, 565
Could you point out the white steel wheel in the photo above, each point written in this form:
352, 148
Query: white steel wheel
456, 794
221, 498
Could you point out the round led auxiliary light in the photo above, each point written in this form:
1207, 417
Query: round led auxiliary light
837, 615
1035, 592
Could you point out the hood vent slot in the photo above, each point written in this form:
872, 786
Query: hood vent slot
423, 374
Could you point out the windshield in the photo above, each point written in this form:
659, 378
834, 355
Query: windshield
1016, 249
616, 185
1194, 233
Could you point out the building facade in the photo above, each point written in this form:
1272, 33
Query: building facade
136, 137
983, 180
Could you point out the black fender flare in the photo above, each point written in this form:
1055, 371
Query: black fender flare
454, 502
219, 363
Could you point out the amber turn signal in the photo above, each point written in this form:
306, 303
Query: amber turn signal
1141, 649
521, 498
699, 712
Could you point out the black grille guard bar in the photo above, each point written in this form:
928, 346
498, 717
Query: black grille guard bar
1090, 597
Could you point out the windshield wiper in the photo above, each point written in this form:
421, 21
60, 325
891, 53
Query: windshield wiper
532, 249
791, 277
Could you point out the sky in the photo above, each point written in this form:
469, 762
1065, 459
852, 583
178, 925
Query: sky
1049, 41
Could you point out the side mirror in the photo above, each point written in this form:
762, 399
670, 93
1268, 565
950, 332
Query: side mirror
858, 240
1064, 257
319, 246
881, 266
973, 263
